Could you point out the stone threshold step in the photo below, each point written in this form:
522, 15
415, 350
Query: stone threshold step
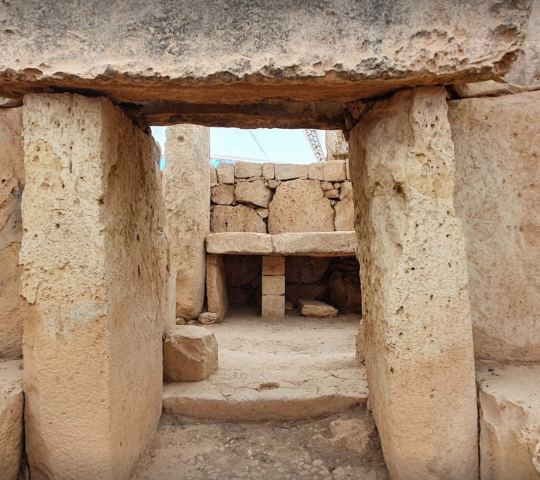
268, 395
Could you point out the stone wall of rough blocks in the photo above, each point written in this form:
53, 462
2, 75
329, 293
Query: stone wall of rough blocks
281, 198
13, 308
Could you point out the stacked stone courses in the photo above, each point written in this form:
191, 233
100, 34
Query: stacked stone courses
281, 198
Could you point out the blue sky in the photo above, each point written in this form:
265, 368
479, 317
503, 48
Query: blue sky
264, 144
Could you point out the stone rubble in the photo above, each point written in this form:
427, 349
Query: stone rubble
316, 308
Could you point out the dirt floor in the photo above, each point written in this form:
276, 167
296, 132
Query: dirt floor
184, 449
274, 372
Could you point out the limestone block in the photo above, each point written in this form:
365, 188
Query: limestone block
254, 193
274, 184
163, 68
95, 274
489, 88
334, 171
273, 265
299, 206
525, 71
289, 171
238, 243
11, 419
216, 285
316, 171
337, 147
344, 209
241, 269
13, 308
273, 285
190, 354
324, 244
327, 186
306, 269
497, 176
509, 398
225, 173
268, 171
222, 194
186, 190
247, 169
418, 349
236, 219
273, 307
331, 194
213, 176
316, 308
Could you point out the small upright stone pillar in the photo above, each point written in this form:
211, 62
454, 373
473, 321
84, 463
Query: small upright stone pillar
216, 285
273, 288
418, 333
95, 272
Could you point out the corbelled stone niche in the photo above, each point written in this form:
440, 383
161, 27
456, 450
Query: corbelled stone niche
417, 334
95, 275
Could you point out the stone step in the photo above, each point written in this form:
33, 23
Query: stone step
258, 387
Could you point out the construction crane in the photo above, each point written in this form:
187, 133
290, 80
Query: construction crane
313, 139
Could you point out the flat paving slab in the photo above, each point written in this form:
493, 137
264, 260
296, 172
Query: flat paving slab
297, 368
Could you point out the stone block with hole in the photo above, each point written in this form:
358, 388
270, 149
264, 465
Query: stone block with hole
190, 354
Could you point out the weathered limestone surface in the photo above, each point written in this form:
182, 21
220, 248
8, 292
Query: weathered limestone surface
186, 189
305, 269
418, 338
216, 285
273, 307
185, 54
241, 270
236, 219
489, 88
344, 209
334, 171
316, 308
497, 193
316, 171
239, 243
225, 173
509, 397
299, 206
190, 354
223, 194
290, 171
13, 308
525, 71
95, 270
247, 169
11, 419
337, 147
274, 265
324, 244
254, 193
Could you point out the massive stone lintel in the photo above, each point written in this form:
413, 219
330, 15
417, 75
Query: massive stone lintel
418, 335
95, 271
209, 53
186, 188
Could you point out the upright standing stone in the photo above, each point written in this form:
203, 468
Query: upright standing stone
419, 351
95, 271
13, 308
186, 187
497, 197
216, 285
273, 288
